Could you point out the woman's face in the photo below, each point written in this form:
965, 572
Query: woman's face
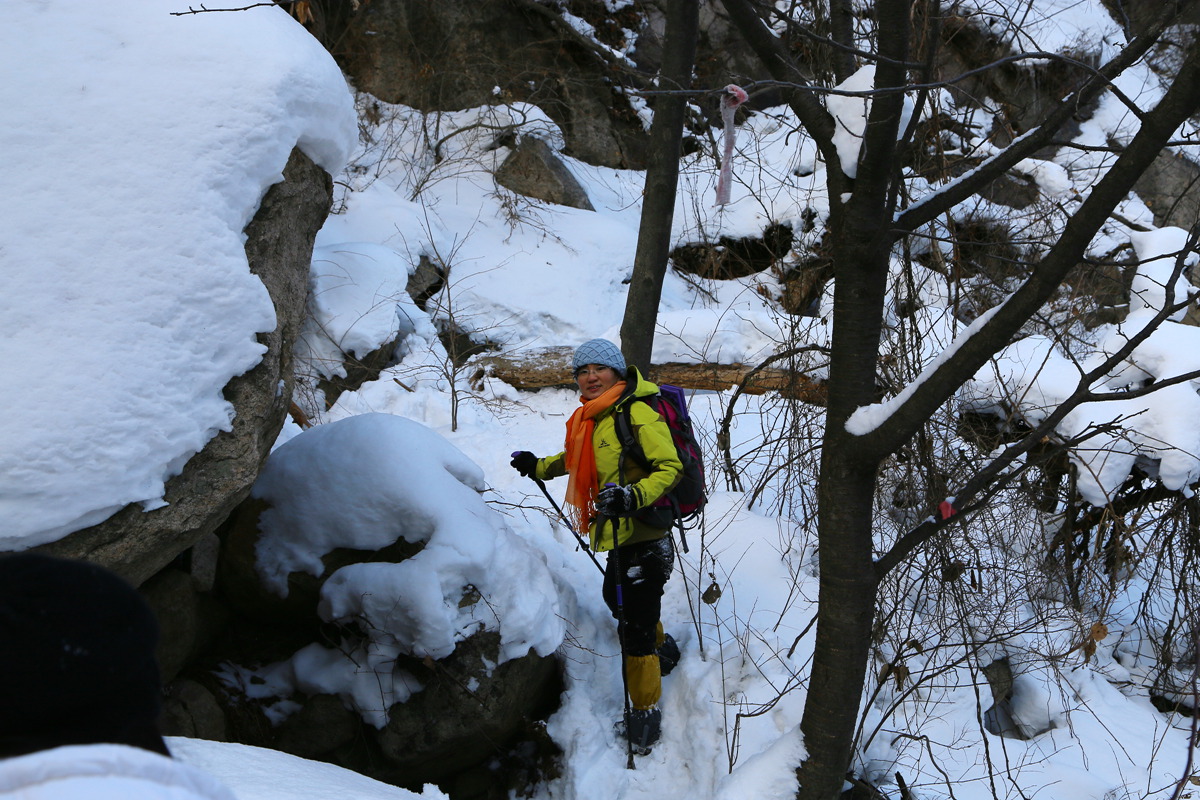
594, 380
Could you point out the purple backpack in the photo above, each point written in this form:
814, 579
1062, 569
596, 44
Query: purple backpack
688, 497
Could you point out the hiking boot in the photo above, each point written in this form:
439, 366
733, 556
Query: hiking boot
668, 654
643, 726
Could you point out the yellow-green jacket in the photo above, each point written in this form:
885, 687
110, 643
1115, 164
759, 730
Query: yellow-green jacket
665, 467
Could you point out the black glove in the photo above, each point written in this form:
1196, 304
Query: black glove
616, 501
525, 463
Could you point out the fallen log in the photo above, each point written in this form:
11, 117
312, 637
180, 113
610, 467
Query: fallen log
548, 367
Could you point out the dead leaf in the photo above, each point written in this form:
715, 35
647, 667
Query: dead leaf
953, 571
1099, 631
298, 416
302, 11
712, 594
470, 596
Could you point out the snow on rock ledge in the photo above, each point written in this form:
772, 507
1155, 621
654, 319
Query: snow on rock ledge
135, 165
1154, 430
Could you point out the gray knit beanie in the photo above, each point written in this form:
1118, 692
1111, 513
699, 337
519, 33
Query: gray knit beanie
599, 351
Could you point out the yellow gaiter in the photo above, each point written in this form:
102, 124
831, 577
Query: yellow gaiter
645, 680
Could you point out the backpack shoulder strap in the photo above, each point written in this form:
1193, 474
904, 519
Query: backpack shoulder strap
629, 442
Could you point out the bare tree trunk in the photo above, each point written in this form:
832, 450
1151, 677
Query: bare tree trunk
862, 240
862, 227
662, 179
841, 24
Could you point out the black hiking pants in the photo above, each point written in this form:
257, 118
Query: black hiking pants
645, 568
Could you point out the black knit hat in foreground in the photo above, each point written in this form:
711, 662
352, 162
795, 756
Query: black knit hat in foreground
77, 659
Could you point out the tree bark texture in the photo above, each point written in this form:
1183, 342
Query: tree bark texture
662, 179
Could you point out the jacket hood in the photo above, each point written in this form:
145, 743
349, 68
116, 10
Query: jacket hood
636, 386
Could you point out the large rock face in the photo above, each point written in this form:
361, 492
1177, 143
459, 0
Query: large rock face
1171, 189
722, 55
137, 543
444, 55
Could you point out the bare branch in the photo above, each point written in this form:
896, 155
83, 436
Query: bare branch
987, 481
205, 10
1177, 105
1025, 146
783, 68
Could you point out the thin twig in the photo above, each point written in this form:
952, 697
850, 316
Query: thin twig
205, 10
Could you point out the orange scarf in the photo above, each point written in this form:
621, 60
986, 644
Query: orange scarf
583, 484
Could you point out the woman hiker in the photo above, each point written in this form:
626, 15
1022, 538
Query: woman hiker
608, 497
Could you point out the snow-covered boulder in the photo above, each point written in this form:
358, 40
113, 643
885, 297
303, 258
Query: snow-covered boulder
373, 537
137, 542
172, 175
533, 169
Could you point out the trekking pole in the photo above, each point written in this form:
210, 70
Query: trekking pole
616, 559
542, 485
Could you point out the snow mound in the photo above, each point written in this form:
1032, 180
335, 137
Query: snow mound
364, 482
256, 773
